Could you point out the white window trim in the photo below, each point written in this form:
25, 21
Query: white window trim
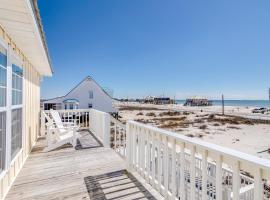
14, 59
5, 109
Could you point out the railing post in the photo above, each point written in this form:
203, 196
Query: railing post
106, 130
42, 123
128, 147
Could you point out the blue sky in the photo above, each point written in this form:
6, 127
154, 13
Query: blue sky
153, 47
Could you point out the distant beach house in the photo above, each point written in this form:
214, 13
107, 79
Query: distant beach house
87, 94
198, 101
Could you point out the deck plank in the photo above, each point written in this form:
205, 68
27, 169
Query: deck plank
60, 174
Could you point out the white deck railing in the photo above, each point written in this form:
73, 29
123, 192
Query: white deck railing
179, 166
96, 121
176, 165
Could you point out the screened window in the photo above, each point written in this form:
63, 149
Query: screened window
2, 139
16, 131
3, 76
91, 95
17, 74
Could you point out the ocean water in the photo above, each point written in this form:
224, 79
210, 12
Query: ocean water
245, 103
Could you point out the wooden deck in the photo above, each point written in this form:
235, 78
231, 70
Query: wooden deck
61, 174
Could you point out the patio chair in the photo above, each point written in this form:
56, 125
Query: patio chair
60, 133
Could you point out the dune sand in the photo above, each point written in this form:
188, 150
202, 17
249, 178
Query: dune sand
239, 129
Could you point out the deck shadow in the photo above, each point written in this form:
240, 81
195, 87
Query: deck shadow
116, 185
88, 140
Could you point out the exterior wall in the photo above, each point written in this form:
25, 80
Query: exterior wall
30, 121
101, 101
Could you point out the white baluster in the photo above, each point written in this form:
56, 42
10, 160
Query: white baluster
236, 180
148, 156
219, 178
166, 170
153, 160
173, 169
204, 174
159, 172
182, 171
192, 173
258, 184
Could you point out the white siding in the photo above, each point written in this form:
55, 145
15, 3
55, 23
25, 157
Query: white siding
100, 101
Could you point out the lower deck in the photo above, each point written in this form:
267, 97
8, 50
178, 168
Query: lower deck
67, 173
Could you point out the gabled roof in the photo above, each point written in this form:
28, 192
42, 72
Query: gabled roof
86, 78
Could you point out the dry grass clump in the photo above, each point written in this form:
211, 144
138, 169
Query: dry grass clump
229, 120
174, 124
144, 121
150, 114
140, 113
190, 135
234, 127
187, 113
170, 119
198, 121
203, 127
122, 108
216, 124
169, 113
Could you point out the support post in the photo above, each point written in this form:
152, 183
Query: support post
42, 124
106, 130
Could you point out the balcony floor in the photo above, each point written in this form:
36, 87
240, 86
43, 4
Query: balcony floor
60, 174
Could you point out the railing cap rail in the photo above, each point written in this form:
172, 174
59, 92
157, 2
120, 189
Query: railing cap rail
234, 154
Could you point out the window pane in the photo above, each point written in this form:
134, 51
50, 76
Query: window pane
3, 76
3, 57
2, 139
16, 85
16, 132
2, 97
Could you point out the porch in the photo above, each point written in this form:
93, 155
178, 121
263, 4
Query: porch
166, 165
63, 174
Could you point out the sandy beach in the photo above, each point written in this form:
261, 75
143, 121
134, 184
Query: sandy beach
239, 129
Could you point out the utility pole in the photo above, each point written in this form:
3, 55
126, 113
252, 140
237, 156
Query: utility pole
222, 104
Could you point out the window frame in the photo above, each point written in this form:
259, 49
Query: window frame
92, 94
5, 110
14, 59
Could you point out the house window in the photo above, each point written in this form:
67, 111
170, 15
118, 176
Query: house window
17, 74
16, 113
3, 92
90, 105
91, 95
16, 131
3, 76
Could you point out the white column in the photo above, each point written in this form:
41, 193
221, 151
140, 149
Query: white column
166, 170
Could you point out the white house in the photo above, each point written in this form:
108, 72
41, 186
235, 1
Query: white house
87, 94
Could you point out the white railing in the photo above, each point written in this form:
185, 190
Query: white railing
96, 121
100, 126
118, 137
187, 168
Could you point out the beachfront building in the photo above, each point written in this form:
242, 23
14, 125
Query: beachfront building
111, 160
23, 61
198, 101
87, 94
